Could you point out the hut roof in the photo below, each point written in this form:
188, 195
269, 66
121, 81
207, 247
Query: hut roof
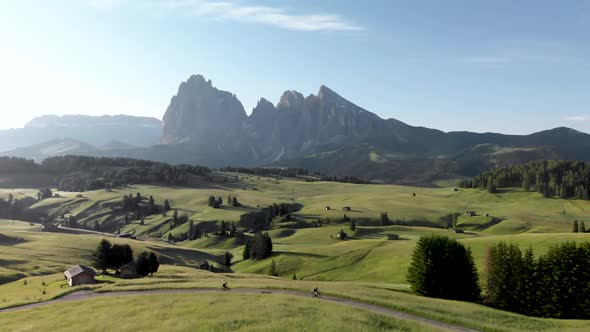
78, 269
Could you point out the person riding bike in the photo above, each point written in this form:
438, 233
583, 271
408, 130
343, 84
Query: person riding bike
316, 292
225, 287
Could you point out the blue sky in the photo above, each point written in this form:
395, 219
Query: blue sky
501, 66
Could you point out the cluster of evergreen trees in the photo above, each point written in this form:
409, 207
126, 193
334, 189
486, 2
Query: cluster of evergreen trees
227, 229
259, 247
579, 228
281, 172
268, 171
554, 285
564, 179
135, 204
108, 256
217, 203
443, 268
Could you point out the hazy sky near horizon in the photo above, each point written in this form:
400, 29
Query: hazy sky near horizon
503, 66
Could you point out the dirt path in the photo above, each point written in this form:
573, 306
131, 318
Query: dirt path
84, 295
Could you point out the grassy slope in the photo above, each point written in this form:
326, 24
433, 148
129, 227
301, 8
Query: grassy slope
204, 312
511, 211
170, 277
363, 261
38, 253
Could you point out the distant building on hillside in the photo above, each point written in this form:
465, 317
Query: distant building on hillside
80, 275
392, 236
347, 208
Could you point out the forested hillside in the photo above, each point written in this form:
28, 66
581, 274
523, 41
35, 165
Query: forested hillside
564, 179
78, 173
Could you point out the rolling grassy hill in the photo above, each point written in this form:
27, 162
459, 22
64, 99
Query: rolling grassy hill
25, 251
367, 266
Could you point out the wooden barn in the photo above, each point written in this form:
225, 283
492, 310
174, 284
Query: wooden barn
80, 275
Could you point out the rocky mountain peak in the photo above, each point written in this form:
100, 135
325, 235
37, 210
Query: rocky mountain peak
200, 110
291, 99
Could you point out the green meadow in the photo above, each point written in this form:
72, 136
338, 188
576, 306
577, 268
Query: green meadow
366, 267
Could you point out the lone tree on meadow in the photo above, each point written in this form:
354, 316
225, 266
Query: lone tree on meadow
353, 225
576, 228
273, 269
235, 202
227, 259
384, 219
582, 227
154, 263
211, 201
443, 268
147, 263
260, 247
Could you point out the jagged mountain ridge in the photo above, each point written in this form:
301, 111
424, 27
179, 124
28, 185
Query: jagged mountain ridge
325, 132
329, 133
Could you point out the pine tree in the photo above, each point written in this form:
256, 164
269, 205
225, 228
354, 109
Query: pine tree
143, 264
154, 263
235, 202
246, 252
385, 219
152, 204
576, 228
227, 259
491, 185
191, 230
582, 227
101, 256
273, 269
353, 225
443, 268
294, 276
167, 206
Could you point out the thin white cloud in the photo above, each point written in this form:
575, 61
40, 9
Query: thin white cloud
104, 4
577, 118
272, 16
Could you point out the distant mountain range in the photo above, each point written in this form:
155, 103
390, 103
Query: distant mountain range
324, 132
94, 130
